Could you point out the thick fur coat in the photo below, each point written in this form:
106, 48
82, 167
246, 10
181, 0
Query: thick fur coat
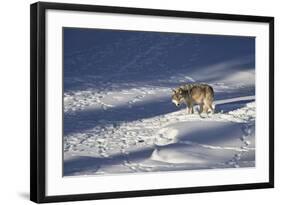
194, 93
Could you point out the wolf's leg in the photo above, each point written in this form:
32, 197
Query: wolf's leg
210, 106
191, 108
188, 107
201, 108
205, 108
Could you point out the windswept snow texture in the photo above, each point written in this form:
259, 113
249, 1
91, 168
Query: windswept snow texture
118, 114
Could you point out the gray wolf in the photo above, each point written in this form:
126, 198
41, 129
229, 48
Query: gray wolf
194, 93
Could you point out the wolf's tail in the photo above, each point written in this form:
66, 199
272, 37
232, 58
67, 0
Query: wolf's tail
212, 92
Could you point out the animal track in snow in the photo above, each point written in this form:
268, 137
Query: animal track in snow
247, 130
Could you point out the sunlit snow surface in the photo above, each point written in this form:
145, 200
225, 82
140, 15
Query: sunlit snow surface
118, 114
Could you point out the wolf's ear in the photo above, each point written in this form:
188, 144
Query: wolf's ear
173, 90
180, 90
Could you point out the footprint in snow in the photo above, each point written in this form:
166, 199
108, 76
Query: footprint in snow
246, 130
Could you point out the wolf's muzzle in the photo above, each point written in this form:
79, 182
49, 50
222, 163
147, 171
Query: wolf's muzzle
175, 102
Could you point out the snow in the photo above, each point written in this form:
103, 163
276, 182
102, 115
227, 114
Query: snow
220, 140
119, 117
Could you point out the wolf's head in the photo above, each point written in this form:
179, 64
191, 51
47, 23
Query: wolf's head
177, 97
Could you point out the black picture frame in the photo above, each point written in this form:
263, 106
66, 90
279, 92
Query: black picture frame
38, 101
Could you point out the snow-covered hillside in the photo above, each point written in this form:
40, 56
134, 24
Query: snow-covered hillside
118, 114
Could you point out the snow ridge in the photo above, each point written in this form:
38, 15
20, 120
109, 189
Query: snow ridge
158, 133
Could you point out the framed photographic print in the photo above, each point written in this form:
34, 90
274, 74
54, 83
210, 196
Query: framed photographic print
129, 102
